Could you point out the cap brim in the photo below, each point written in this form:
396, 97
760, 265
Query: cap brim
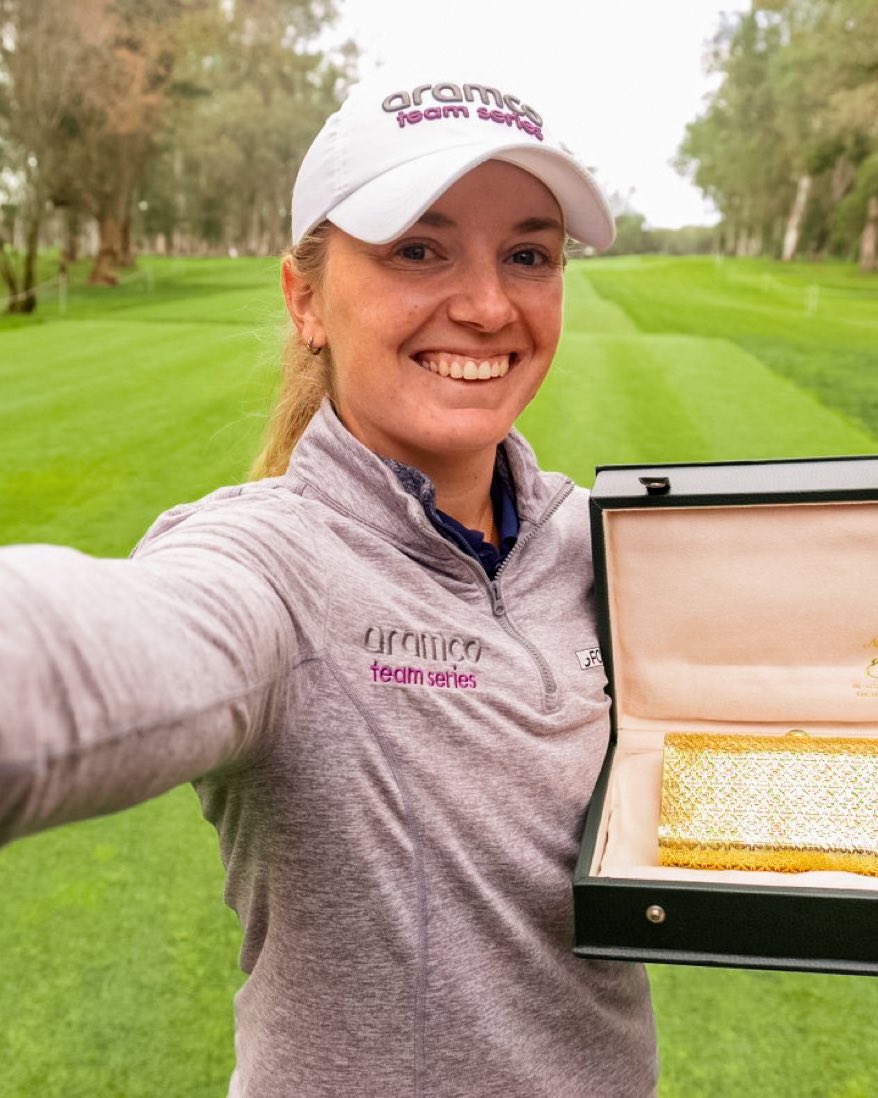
382, 209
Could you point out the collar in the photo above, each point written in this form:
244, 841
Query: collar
505, 518
472, 542
329, 463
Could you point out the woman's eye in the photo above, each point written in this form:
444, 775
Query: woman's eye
416, 252
528, 257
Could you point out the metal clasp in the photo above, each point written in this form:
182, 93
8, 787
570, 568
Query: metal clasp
656, 486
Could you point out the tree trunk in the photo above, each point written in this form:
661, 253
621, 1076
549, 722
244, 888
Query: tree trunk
844, 172
103, 273
114, 205
126, 248
7, 271
797, 216
253, 229
276, 234
749, 242
777, 231
869, 237
29, 302
71, 234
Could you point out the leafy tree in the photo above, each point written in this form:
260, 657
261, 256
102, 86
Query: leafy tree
782, 142
40, 66
851, 116
631, 234
246, 110
856, 226
195, 112
735, 151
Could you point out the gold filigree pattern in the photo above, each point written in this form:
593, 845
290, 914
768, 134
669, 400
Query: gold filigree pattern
786, 803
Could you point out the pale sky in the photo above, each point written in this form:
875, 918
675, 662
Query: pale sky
617, 81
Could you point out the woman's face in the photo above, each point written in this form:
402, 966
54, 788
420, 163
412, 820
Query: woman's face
442, 337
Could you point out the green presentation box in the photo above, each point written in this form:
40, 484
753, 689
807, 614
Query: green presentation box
732, 598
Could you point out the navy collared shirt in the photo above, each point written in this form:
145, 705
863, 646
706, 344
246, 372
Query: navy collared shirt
470, 541
505, 520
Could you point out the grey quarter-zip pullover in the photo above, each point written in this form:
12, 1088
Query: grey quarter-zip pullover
396, 753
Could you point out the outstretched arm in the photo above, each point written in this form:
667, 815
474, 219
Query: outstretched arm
120, 679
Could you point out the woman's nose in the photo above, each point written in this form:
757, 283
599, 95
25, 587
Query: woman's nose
482, 300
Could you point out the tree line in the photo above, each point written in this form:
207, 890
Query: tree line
178, 122
787, 148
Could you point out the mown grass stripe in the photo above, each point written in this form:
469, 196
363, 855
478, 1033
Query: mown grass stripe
620, 399
816, 326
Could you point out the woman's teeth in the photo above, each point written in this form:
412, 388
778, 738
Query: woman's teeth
466, 369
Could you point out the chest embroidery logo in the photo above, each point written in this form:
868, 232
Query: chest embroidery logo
413, 644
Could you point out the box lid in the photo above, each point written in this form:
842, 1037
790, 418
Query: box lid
701, 483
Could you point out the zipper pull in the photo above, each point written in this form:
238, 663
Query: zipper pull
497, 603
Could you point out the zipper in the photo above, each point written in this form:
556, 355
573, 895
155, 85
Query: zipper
550, 687
554, 504
495, 595
498, 606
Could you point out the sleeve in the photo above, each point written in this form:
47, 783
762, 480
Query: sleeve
122, 678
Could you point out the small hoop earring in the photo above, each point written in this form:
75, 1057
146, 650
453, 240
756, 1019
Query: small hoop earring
311, 348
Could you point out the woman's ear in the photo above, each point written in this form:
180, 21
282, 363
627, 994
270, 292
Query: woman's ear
303, 304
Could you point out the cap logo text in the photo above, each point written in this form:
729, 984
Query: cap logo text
446, 92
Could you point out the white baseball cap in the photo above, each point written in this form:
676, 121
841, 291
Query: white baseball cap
393, 148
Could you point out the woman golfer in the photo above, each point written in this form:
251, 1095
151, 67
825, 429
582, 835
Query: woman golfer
365, 659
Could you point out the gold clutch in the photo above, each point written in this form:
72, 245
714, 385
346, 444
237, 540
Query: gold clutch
786, 803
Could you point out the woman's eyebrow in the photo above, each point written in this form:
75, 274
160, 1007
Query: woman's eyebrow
539, 224
436, 220
530, 224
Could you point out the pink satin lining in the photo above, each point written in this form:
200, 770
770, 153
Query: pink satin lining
734, 619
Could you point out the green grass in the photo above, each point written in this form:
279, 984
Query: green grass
694, 360
119, 958
816, 325
140, 397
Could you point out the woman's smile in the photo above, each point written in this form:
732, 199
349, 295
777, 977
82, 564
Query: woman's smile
440, 339
465, 367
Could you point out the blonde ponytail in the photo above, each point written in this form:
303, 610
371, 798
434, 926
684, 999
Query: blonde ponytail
306, 378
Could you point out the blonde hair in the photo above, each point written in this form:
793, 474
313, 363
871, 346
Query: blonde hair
306, 378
